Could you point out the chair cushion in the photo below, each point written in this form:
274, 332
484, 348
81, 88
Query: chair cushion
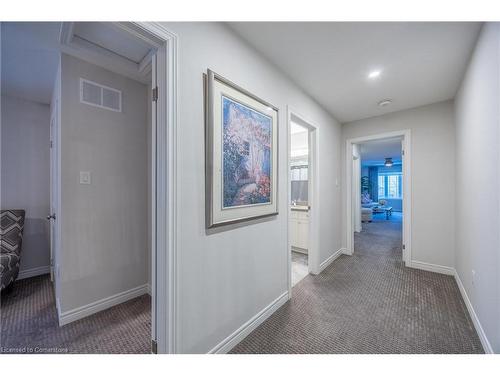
9, 268
11, 238
11, 231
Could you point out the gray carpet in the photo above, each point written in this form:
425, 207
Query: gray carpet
369, 303
29, 323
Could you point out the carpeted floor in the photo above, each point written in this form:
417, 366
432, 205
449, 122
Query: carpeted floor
369, 303
29, 324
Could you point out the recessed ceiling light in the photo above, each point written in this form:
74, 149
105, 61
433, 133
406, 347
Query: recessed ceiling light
374, 74
384, 103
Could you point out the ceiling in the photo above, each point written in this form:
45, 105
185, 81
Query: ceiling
375, 152
419, 63
30, 59
30, 54
106, 36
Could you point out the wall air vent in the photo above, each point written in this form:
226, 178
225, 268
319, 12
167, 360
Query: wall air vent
97, 95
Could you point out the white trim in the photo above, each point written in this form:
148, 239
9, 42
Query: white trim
100, 305
407, 188
445, 270
237, 336
330, 259
477, 324
145, 64
31, 272
165, 288
58, 309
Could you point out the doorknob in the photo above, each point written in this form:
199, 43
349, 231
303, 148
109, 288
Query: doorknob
53, 216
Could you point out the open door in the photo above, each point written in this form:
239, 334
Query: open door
153, 166
404, 169
53, 190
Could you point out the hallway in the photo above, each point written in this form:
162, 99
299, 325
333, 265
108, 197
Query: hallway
370, 303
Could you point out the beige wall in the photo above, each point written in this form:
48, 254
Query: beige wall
104, 225
26, 174
433, 174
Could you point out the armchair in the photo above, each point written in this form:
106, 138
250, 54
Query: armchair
11, 237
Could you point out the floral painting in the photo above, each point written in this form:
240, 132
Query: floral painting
246, 155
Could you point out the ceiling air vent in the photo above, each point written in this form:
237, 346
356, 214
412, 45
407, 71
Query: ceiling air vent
100, 96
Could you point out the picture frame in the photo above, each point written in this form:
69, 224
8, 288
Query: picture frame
241, 147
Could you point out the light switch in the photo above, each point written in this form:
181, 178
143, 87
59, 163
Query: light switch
85, 177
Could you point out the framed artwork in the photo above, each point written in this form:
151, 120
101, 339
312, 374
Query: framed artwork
241, 154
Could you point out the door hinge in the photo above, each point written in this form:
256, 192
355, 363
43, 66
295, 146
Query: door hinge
403, 152
404, 247
154, 347
51, 144
155, 94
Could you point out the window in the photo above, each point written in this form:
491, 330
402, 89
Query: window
381, 186
390, 185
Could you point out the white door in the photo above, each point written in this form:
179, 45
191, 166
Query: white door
53, 190
153, 166
403, 164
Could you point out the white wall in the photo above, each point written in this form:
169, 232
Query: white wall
227, 276
477, 111
433, 188
104, 225
26, 174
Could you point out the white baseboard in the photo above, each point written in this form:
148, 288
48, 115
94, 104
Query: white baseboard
102, 304
237, 336
330, 259
432, 267
479, 329
149, 289
31, 272
346, 251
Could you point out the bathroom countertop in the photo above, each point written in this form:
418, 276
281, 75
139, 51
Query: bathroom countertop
300, 208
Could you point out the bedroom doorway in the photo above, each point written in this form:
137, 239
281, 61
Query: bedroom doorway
378, 173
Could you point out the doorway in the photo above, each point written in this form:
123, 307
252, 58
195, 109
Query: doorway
158, 69
302, 186
378, 188
299, 186
108, 82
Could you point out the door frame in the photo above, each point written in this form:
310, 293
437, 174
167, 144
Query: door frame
313, 192
407, 189
164, 214
164, 186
